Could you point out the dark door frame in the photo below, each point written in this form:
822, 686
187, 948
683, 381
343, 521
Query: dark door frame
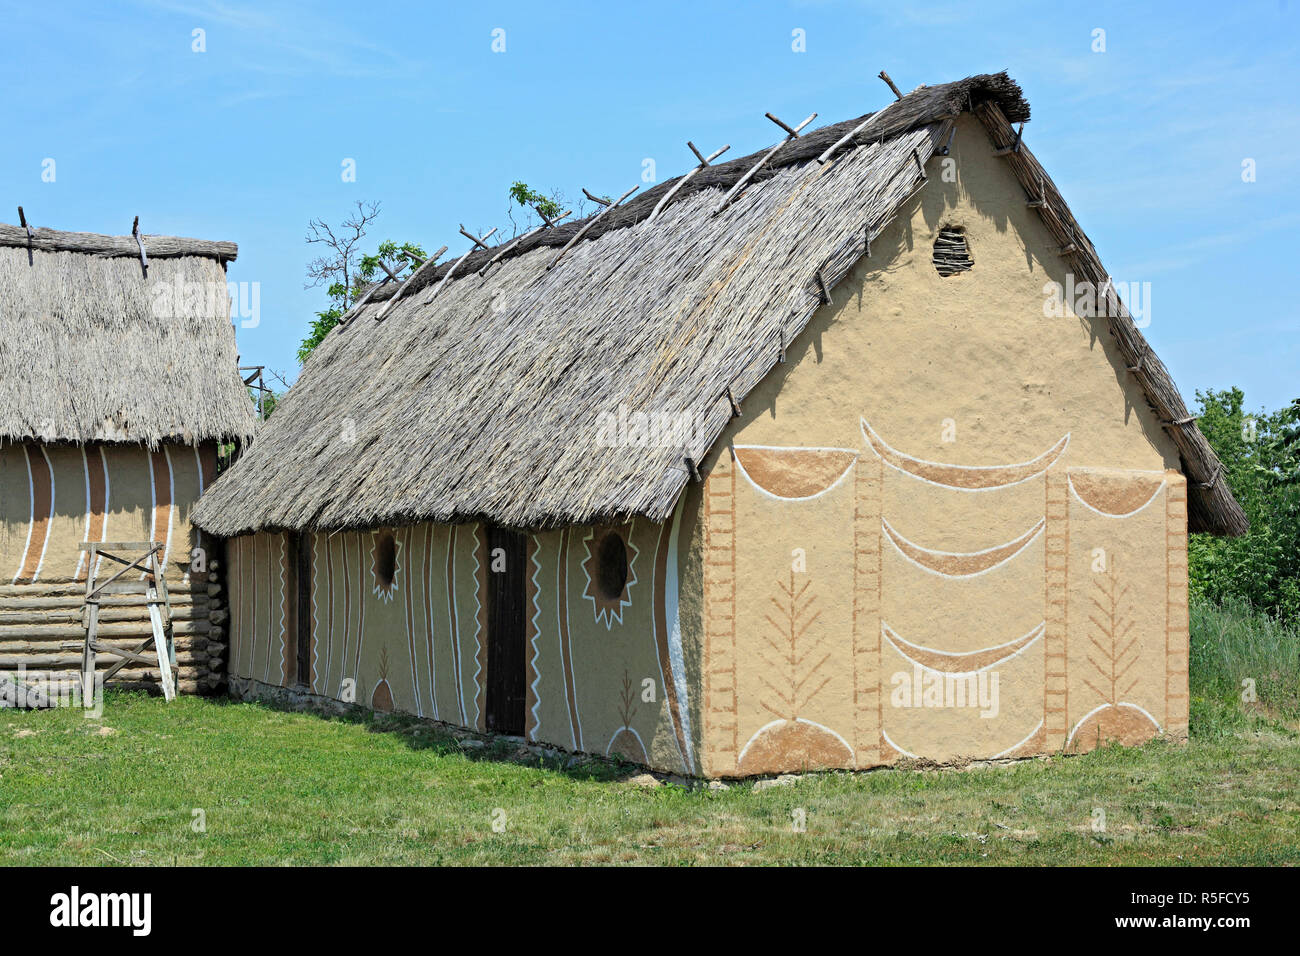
507, 631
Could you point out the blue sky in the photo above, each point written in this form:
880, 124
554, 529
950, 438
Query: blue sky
246, 140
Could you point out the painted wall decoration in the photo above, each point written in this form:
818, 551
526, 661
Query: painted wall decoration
610, 571
605, 669
54, 497
841, 633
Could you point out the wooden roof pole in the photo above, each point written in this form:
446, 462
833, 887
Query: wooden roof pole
740, 183
456, 265
589, 223
682, 180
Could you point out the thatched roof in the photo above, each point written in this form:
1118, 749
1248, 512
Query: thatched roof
482, 396
99, 345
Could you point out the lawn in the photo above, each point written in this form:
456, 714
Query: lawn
215, 782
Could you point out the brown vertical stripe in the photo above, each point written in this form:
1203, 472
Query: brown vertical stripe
347, 610
426, 581
363, 588
42, 482
288, 613
407, 598
97, 501
162, 495
566, 662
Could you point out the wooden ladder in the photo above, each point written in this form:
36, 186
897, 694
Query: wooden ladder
154, 589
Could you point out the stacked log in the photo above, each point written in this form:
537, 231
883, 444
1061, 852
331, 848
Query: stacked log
42, 632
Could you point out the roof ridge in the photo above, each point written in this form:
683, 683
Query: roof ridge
44, 239
920, 107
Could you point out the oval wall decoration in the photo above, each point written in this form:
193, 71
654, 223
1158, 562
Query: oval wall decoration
792, 472
964, 477
958, 564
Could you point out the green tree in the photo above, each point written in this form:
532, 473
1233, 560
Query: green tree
1261, 460
345, 271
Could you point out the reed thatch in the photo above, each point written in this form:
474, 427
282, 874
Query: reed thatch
100, 346
482, 397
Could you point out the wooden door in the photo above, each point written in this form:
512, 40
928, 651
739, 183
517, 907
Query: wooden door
506, 632
300, 561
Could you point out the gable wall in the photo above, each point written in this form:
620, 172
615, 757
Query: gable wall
965, 371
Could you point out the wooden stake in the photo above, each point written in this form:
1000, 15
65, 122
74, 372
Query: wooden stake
740, 184
456, 265
735, 405
826, 289
475, 239
550, 223
589, 223
784, 126
356, 306
22, 221
885, 76
1015, 145
832, 149
948, 145
383, 310
682, 180
595, 199
144, 260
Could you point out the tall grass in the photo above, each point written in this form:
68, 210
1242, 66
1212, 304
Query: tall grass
1234, 649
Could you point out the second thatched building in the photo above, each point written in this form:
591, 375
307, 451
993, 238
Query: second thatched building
119, 383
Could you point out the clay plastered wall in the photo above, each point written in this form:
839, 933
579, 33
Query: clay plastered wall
602, 675
944, 493
54, 497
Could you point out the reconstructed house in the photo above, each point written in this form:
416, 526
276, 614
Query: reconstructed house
821, 457
118, 381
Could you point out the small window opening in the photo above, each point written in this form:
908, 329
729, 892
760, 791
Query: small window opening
385, 559
611, 573
951, 253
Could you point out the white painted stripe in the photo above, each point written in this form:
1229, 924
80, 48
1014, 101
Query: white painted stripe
676, 656
537, 634
478, 627
108, 497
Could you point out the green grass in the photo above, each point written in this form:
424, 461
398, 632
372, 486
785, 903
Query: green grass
282, 787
